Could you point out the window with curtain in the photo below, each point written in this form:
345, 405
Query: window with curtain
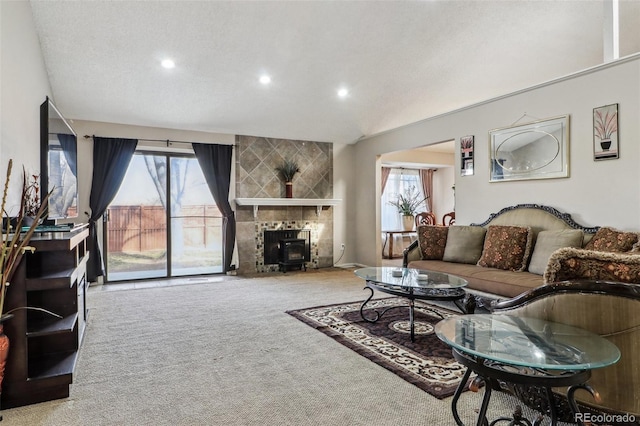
400, 180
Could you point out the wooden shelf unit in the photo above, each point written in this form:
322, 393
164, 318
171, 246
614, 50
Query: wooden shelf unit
43, 349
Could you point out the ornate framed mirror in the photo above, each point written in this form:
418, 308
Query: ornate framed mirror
536, 150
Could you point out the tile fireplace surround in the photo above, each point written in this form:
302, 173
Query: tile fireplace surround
256, 160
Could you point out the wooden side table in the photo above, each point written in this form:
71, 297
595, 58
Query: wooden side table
389, 239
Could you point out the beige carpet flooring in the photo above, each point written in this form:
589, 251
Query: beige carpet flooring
225, 353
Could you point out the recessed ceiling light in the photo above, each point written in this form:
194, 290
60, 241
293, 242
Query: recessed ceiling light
265, 79
343, 92
168, 63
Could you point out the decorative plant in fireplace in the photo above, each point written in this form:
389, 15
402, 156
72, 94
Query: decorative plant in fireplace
287, 171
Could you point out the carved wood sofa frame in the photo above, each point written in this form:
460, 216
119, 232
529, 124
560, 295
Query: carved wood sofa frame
565, 217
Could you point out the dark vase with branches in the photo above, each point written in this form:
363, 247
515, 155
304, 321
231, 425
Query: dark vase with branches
15, 243
287, 171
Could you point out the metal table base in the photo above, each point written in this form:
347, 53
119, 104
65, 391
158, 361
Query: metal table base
491, 373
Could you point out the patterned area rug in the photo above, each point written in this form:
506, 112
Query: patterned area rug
426, 363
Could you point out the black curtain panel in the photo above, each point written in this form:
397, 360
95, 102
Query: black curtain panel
69, 147
215, 162
111, 158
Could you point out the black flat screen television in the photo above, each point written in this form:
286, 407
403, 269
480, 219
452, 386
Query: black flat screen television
58, 163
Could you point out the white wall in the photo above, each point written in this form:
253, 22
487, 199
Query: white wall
596, 193
344, 214
24, 85
443, 195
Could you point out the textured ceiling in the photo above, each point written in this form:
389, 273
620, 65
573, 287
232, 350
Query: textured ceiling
402, 61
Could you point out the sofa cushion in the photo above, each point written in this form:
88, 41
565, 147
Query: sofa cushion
612, 240
432, 241
506, 247
464, 244
488, 280
550, 241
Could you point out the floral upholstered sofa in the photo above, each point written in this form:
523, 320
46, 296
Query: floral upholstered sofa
523, 247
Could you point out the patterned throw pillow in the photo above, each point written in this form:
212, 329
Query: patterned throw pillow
432, 240
506, 247
612, 240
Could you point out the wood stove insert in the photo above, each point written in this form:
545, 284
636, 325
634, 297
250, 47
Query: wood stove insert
288, 248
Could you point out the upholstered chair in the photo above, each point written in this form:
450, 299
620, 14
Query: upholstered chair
609, 309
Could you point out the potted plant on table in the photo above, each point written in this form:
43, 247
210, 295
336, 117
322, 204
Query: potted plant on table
407, 205
287, 171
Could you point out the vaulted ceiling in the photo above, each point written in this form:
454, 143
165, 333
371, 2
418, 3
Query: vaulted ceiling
401, 61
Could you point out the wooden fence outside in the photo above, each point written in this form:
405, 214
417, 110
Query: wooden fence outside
143, 228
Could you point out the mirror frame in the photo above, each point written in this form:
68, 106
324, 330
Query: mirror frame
44, 148
501, 135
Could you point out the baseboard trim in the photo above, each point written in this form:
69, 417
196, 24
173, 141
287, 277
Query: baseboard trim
350, 265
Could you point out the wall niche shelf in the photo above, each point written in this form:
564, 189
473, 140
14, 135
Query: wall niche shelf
257, 202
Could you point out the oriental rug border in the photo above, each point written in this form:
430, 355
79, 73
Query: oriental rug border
426, 363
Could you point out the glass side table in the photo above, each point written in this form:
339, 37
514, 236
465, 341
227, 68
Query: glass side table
526, 351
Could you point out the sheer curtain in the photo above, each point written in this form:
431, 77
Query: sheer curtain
426, 179
399, 181
385, 172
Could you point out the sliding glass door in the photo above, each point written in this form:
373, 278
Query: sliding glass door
163, 222
196, 222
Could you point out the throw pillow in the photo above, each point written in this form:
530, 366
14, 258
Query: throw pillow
432, 241
550, 241
612, 240
506, 247
464, 244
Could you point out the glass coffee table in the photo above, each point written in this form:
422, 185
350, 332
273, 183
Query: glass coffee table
411, 284
527, 351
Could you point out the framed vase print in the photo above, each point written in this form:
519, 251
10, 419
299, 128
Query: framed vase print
605, 132
466, 156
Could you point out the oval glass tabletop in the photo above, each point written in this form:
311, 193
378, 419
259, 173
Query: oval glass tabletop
528, 342
410, 278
